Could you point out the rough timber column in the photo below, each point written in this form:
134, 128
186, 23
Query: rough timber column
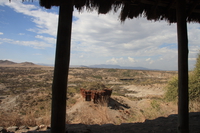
183, 116
62, 59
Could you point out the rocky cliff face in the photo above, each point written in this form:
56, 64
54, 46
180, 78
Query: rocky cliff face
97, 96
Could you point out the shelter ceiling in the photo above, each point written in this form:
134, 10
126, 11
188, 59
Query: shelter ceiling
129, 9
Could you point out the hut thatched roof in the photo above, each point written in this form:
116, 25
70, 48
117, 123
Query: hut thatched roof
151, 9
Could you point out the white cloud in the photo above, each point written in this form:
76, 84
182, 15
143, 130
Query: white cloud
137, 38
114, 60
34, 44
2, 2
151, 62
7, 59
1, 33
21, 34
46, 22
131, 59
47, 39
136, 42
110, 37
148, 59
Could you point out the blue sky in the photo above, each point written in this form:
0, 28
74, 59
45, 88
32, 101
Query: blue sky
28, 33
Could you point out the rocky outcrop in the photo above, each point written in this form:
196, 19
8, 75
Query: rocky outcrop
97, 96
12, 129
25, 129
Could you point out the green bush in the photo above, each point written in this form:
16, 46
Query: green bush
194, 82
172, 90
194, 85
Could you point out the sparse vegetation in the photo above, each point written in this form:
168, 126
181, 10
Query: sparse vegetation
30, 89
172, 90
194, 85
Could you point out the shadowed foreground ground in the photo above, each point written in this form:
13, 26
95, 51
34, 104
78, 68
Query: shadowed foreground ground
158, 125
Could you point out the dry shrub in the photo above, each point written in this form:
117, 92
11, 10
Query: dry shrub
44, 120
136, 116
10, 119
13, 119
194, 106
154, 110
98, 114
29, 119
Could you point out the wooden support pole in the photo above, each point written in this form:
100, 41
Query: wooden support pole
183, 113
61, 68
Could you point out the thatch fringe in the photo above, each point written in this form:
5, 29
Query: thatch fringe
151, 9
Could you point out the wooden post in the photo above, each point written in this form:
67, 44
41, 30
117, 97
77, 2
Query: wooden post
61, 68
183, 114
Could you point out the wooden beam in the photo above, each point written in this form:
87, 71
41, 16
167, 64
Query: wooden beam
183, 113
61, 68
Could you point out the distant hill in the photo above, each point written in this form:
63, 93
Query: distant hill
42, 64
104, 66
6, 62
117, 67
71, 66
14, 64
26, 64
30, 64
78, 66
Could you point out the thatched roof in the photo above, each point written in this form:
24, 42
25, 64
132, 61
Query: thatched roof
151, 9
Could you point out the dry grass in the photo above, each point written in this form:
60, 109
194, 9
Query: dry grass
8, 119
97, 114
30, 119
25, 82
194, 106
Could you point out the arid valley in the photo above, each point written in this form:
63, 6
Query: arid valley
137, 99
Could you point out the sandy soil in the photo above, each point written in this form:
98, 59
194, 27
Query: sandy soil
144, 91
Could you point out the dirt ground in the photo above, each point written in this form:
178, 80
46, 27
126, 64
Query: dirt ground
158, 125
139, 110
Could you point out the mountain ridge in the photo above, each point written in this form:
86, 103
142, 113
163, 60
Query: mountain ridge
118, 67
11, 63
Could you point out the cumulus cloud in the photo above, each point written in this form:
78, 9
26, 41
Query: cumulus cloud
1, 33
135, 42
46, 22
137, 38
134, 38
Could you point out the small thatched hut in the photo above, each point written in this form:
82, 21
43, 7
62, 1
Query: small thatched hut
180, 11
